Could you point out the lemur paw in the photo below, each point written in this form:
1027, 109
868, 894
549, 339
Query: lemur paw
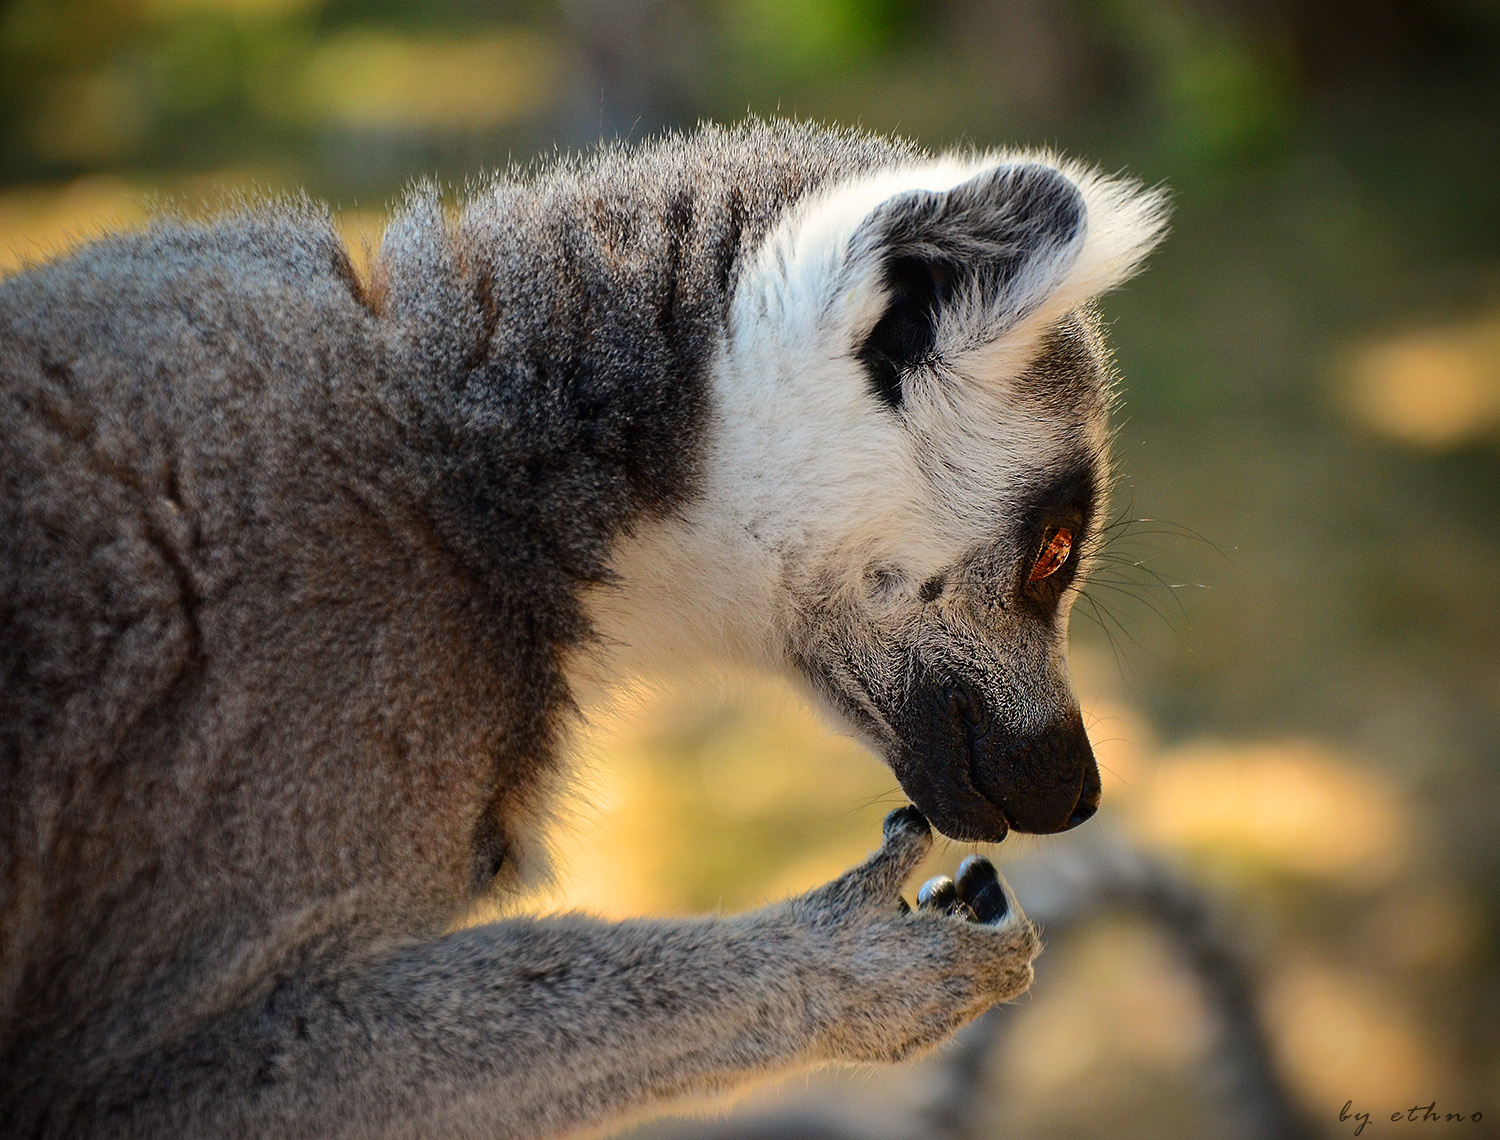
891, 981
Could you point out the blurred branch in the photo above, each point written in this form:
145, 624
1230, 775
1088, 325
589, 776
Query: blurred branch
1102, 873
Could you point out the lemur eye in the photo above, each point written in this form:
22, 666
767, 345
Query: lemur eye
1057, 544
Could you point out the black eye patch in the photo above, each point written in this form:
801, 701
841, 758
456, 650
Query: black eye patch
1067, 496
1067, 500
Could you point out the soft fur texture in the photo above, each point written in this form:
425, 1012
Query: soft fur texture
302, 575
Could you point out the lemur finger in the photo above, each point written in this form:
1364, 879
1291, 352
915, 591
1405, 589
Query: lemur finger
906, 821
907, 839
979, 885
937, 894
877, 882
941, 895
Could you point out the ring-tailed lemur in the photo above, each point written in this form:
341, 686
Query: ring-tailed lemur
302, 574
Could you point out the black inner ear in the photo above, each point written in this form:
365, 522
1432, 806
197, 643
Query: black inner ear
974, 239
903, 337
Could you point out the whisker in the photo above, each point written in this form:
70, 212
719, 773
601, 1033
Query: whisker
1133, 591
1104, 611
1097, 618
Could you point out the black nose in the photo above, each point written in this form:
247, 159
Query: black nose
1045, 781
977, 778
1093, 791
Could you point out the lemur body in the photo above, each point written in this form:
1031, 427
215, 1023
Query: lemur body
301, 578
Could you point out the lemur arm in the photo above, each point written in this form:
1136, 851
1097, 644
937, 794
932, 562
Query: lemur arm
538, 1027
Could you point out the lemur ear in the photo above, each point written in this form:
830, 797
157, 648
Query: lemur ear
987, 262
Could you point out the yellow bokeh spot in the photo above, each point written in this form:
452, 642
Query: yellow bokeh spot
1119, 993
692, 801
1294, 806
1344, 1035
237, 9
39, 223
1434, 388
381, 80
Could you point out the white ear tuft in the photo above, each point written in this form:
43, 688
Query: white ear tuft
1126, 221
986, 266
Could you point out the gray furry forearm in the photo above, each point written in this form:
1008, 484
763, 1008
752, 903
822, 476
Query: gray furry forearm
532, 1028
525, 1028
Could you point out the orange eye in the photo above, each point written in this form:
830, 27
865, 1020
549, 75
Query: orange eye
1057, 544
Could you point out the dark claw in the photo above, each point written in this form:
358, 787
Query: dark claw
937, 894
906, 818
979, 886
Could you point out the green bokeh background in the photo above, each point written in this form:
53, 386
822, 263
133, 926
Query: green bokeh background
1312, 390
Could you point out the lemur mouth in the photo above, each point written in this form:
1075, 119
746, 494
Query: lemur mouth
976, 780
949, 799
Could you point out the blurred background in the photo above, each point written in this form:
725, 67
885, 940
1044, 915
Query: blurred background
1292, 670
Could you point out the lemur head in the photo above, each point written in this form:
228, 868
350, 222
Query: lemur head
905, 474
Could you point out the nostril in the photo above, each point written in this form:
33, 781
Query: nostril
1089, 797
1082, 813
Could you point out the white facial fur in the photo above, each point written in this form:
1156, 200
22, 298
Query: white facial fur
808, 472
871, 499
